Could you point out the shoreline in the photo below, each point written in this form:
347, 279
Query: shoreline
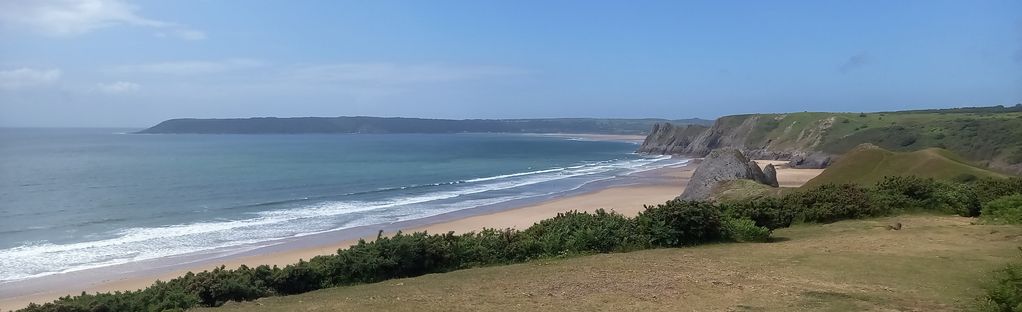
628, 138
651, 187
648, 187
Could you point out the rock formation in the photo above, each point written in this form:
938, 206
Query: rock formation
809, 161
770, 173
750, 134
668, 139
723, 165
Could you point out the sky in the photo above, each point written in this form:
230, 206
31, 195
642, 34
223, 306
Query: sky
122, 63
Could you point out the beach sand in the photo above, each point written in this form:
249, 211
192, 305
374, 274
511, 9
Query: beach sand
627, 200
790, 177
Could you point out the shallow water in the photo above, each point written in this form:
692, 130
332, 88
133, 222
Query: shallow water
72, 199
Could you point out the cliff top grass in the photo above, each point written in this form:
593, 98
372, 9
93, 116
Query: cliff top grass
745, 190
868, 164
990, 134
843, 266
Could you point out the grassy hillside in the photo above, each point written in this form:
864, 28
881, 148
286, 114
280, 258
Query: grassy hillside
868, 164
843, 266
989, 136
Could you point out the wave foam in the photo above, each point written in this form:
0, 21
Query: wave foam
137, 244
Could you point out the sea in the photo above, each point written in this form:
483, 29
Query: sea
76, 199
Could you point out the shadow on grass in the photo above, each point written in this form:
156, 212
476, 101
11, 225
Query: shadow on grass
778, 239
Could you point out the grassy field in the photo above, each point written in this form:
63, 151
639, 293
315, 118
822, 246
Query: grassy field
869, 164
934, 263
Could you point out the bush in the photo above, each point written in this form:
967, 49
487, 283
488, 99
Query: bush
675, 223
672, 224
1005, 210
1005, 294
679, 223
833, 202
915, 193
989, 189
744, 230
575, 232
769, 212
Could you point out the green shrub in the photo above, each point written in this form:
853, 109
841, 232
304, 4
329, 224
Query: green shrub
576, 232
1005, 210
989, 189
768, 212
679, 223
672, 224
1005, 293
915, 193
744, 230
833, 202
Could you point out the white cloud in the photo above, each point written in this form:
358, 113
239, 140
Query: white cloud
191, 67
118, 87
27, 77
388, 73
73, 17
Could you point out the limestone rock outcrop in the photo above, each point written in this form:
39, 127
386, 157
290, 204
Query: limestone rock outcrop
725, 164
770, 173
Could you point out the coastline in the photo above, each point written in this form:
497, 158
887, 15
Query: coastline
630, 138
651, 187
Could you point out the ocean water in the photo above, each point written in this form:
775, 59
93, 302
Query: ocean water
73, 199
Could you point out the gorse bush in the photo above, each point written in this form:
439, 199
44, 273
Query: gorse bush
679, 223
990, 189
908, 193
833, 202
1004, 210
577, 232
744, 230
1005, 293
672, 224
675, 223
770, 213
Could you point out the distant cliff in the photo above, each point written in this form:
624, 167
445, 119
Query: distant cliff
270, 125
987, 136
667, 138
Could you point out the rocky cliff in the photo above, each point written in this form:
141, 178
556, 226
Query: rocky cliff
720, 165
668, 139
757, 136
990, 137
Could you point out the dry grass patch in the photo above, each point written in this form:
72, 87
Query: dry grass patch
934, 263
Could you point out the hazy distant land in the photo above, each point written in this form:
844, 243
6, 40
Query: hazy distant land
361, 124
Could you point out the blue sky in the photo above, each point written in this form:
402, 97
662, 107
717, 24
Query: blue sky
135, 63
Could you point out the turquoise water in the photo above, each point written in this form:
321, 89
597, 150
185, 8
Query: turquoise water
72, 199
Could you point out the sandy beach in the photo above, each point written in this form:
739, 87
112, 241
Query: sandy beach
627, 200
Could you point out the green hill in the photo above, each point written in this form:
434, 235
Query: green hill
989, 136
868, 164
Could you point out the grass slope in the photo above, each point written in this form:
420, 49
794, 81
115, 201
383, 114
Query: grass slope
868, 164
745, 190
935, 263
990, 135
